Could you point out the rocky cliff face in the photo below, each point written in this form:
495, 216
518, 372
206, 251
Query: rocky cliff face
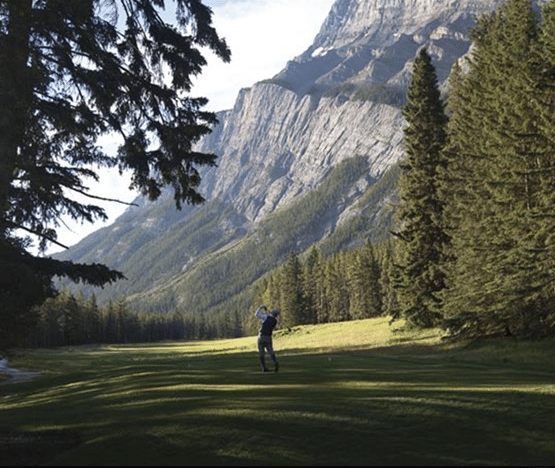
375, 40
285, 136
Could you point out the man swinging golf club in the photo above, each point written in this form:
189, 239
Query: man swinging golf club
269, 321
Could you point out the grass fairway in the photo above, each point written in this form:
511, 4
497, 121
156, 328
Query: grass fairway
346, 394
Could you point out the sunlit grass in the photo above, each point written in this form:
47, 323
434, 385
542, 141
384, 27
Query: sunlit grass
360, 393
353, 334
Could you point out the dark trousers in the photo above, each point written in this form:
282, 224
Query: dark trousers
265, 345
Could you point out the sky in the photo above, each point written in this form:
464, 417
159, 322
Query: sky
263, 36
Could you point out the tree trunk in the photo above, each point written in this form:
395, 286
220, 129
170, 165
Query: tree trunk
16, 93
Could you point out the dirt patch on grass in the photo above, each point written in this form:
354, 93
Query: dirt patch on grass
10, 375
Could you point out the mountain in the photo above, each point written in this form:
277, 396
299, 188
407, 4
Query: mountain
305, 157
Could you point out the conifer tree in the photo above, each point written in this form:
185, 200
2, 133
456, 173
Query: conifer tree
92, 327
337, 293
464, 186
291, 293
499, 173
70, 73
388, 278
419, 213
311, 267
331, 311
322, 292
369, 262
363, 276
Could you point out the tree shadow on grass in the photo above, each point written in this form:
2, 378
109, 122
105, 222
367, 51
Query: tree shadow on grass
34, 448
357, 408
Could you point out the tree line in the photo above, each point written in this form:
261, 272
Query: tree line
348, 285
475, 227
309, 289
71, 320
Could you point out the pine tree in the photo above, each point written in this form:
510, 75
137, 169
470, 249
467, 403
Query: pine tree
363, 274
291, 293
322, 296
369, 263
388, 278
310, 284
464, 186
499, 173
336, 290
355, 280
70, 73
92, 327
420, 209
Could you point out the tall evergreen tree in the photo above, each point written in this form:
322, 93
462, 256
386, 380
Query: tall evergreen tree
419, 213
463, 183
499, 172
337, 293
71, 72
389, 274
321, 293
363, 275
310, 284
291, 292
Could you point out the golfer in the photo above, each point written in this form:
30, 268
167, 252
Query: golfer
269, 321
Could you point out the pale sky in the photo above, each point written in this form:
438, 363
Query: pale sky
263, 36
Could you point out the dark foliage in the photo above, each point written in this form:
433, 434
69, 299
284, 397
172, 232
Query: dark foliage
420, 228
71, 72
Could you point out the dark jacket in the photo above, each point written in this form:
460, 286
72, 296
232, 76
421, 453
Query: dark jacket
268, 325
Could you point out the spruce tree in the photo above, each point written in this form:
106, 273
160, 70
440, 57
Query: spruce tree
464, 184
363, 274
72, 72
311, 267
337, 290
373, 297
291, 292
322, 291
388, 278
497, 174
419, 214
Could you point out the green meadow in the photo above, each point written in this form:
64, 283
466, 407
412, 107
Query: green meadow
354, 393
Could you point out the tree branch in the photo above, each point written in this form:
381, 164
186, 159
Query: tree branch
38, 234
96, 197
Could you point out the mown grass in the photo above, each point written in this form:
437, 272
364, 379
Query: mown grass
356, 393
